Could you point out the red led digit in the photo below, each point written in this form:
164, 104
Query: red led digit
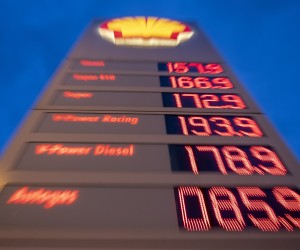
217, 156
198, 66
192, 159
193, 224
209, 99
290, 200
233, 155
248, 123
266, 155
170, 67
173, 81
270, 223
180, 67
202, 83
222, 83
211, 149
185, 82
287, 198
236, 100
183, 125
223, 123
195, 97
201, 122
219, 204
178, 100
213, 68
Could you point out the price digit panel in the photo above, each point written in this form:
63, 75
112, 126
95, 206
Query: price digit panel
237, 209
213, 125
189, 208
229, 101
191, 67
125, 80
188, 125
158, 158
193, 82
241, 160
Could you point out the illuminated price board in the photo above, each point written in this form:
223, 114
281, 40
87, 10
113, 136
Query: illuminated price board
241, 160
230, 209
203, 101
90, 65
195, 159
148, 147
191, 67
150, 99
239, 208
122, 80
200, 82
193, 125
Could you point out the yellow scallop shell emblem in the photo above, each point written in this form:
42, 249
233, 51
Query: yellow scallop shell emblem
145, 31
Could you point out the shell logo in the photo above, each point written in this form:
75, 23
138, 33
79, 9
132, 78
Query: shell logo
145, 31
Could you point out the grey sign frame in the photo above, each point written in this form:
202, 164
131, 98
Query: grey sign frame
91, 46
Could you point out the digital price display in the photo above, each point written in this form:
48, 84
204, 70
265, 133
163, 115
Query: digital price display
204, 125
239, 208
122, 80
203, 101
195, 159
149, 99
241, 160
200, 82
191, 67
213, 125
191, 208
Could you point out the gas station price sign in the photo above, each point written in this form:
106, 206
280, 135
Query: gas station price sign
205, 125
159, 142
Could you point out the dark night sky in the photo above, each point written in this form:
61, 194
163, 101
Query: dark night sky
258, 38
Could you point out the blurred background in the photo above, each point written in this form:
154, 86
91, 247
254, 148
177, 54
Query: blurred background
259, 39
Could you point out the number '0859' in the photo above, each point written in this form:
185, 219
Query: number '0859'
235, 209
